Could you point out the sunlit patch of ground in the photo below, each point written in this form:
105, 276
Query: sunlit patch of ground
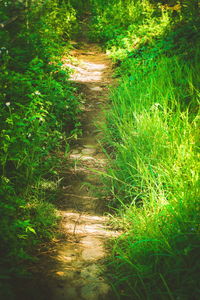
91, 67
81, 225
87, 72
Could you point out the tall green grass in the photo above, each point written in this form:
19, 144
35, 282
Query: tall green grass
153, 128
151, 136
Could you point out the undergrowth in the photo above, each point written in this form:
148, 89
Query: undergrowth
152, 139
38, 113
151, 136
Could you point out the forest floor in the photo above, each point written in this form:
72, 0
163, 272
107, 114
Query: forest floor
74, 267
79, 258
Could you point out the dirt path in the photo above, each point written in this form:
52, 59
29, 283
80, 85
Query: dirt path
77, 266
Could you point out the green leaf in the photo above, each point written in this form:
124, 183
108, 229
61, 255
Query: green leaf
31, 229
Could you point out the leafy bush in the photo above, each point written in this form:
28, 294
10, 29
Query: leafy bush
38, 113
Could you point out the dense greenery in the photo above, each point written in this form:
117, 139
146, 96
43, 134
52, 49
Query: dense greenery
152, 137
38, 112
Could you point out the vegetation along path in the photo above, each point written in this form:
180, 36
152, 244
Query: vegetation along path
150, 165
77, 263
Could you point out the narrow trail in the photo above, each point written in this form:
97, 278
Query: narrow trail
77, 261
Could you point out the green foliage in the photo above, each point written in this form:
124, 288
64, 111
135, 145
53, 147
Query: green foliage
154, 179
151, 134
38, 113
127, 27
152, 137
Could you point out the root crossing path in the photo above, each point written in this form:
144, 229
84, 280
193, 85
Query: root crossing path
78, 260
